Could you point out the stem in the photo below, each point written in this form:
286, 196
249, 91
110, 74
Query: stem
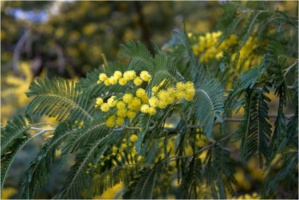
124, 128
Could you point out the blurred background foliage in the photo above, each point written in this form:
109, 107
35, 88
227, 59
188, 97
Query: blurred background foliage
70, 38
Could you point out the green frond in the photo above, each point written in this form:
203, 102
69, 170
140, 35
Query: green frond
14, 129
90, 132
14, 136
89, 83
77, 179
144, 125
40, 168
141, 58
250, 77
209, 104
285, 175
255, 129
219, 171
142, 186
107, 179
58, 98
192, 178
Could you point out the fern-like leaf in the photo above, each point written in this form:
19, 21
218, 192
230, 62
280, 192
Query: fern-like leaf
209, 104
77, 179
40, 168
142, 186
255, 129
141, 58
14, 136
58, 98
219, 171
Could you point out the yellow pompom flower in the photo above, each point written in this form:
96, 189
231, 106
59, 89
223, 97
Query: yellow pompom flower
144, 108
144, 75
135, 104
140, 92
120, 105
151, 111
190, 94
105, 107
131, 114
110, 121
161, 104
133, 138
99, 101
122, 81
127, 98
189, 85
129, 75
124, 146
180, 95
117, 74
112, 80
137, 81
119, 121
111, 102
107, 82
121, 113
140, 159
180, 86
162, 94
114, 149
103, 77
153, 101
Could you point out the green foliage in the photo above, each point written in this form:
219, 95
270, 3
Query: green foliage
144, 151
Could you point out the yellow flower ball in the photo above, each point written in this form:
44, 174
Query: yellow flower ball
161, 104
111, 101
127, 98
180, 86
119, 121
120, 105
117, 74
129, 75
144, 75
113, 80
122, 81
103, 77
114, 149
121, 113
133, 138
124, 146
105, 107
145, 108
153, 101
180, 95
131, 114
140, 92
99, 101
110, 121
107, 82
151, 111
162, 94
137, 81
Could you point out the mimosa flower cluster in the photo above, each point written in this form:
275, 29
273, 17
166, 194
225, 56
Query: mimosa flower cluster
115, 152
128, 105
208, 49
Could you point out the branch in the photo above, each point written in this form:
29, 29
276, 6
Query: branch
17, 51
